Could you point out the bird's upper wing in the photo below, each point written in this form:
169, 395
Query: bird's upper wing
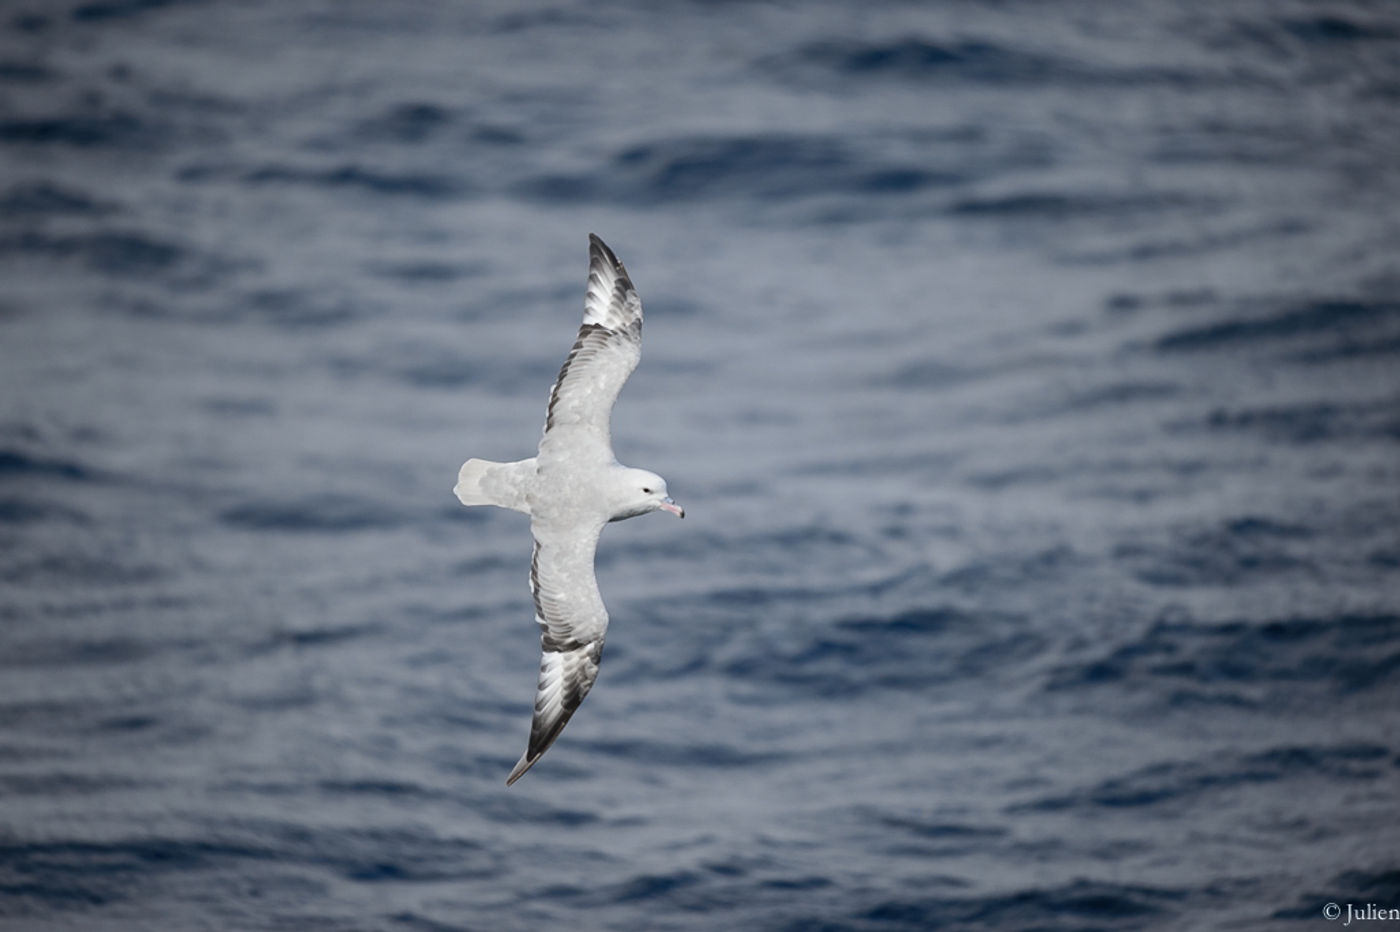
573, 621
608, 348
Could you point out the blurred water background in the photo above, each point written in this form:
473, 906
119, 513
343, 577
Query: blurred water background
1030, 373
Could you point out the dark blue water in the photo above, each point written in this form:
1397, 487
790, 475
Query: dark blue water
1030, 373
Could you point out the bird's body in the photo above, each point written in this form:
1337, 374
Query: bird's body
571, 489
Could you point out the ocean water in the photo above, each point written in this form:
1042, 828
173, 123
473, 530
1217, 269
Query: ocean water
1030, 373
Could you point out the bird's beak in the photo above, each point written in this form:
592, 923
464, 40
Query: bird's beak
672, 507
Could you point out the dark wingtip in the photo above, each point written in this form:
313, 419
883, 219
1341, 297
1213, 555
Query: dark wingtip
599, 249
522, 767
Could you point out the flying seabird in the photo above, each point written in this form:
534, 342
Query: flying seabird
570, 490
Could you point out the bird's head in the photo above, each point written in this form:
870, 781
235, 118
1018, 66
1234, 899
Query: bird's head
642, 492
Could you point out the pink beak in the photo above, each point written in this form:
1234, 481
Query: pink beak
672, 507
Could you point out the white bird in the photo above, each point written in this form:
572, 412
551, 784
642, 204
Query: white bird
570, 489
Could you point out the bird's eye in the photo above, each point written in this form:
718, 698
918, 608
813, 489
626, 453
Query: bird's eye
647, 491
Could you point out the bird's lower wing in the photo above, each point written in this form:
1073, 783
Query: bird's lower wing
573, 623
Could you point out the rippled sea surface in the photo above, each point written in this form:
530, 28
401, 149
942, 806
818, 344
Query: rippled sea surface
1030, 373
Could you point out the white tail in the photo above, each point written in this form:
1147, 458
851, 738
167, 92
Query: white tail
468, 488
482, 482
